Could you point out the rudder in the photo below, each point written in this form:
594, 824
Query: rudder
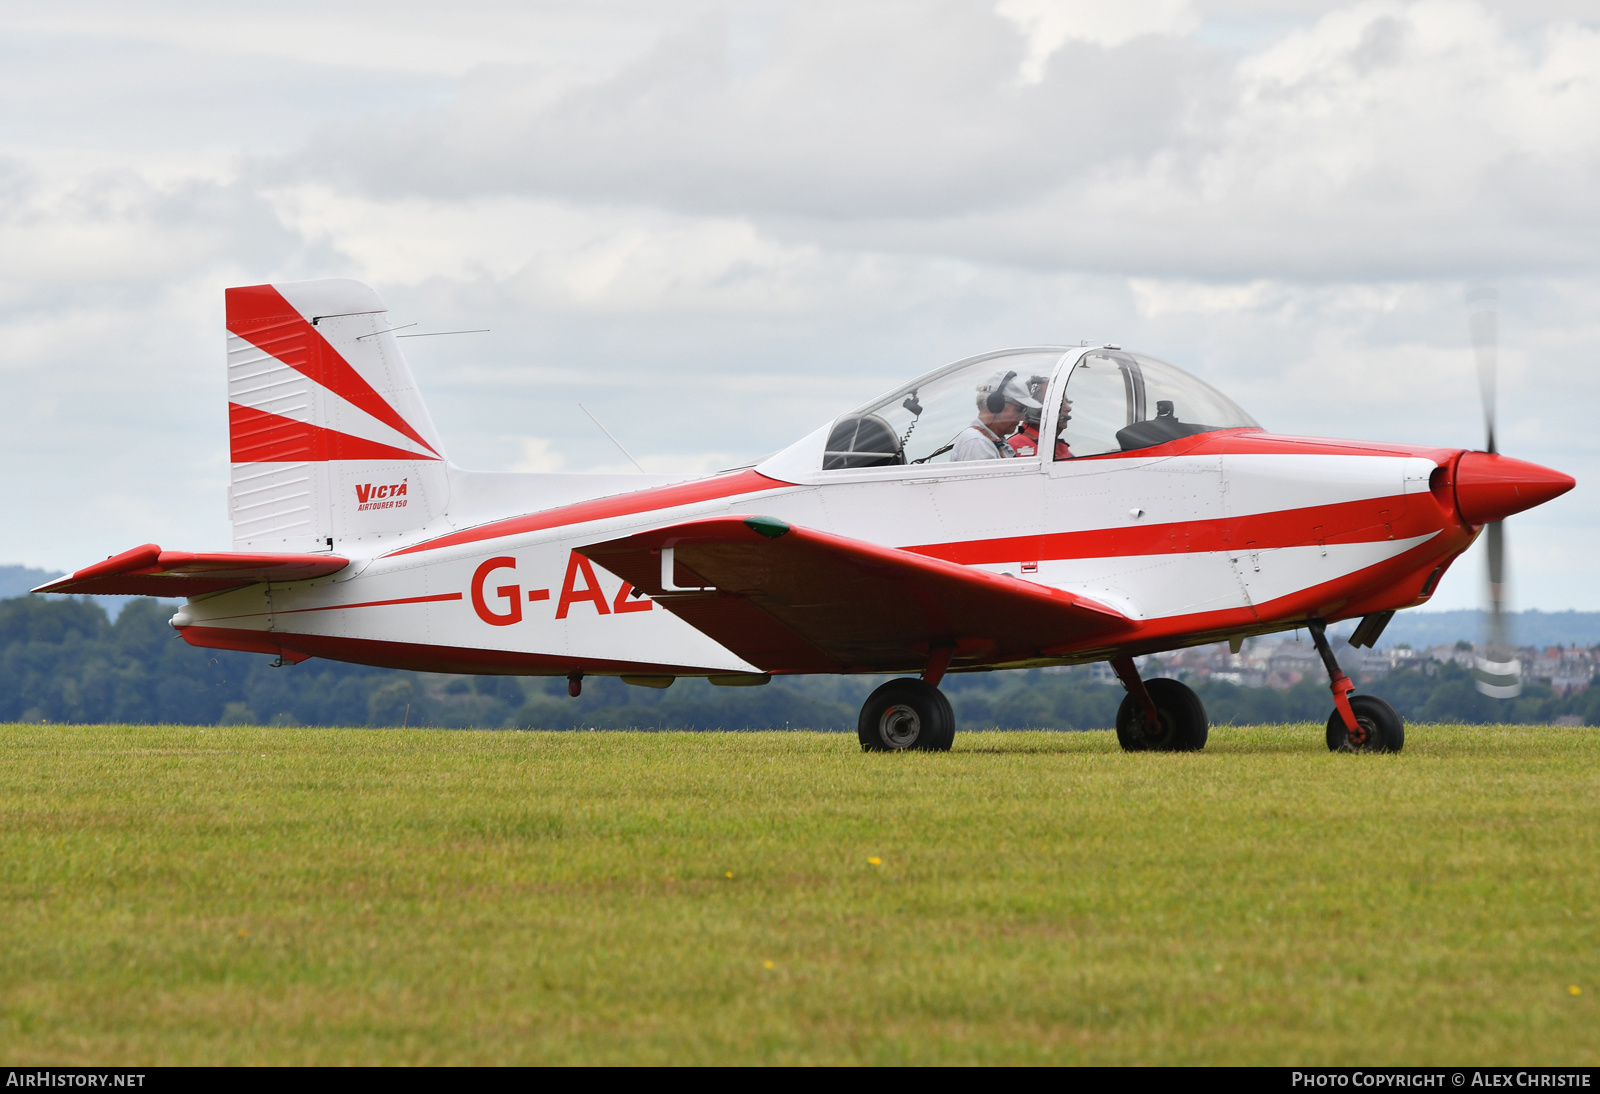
328, 434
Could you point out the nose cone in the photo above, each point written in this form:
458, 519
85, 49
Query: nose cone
1494, 487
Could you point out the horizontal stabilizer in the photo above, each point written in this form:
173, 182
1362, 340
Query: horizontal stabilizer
150, 571
791, 599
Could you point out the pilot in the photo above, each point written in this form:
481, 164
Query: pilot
1002, 401
1025, 441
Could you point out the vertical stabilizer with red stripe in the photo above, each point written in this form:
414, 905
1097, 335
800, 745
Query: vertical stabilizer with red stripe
329, 436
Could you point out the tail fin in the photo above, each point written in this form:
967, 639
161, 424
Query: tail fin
330, 439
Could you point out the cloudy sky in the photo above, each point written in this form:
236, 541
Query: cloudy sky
718, 224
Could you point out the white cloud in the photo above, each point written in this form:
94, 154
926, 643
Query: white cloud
538, 456
394, 35
848, 117
1402, 139
1157, 297
563, 253
1051, 24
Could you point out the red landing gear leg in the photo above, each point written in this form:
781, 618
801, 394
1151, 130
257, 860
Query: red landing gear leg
1123, 667
1338, 683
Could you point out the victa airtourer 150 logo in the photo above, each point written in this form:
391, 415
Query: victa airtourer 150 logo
392, 496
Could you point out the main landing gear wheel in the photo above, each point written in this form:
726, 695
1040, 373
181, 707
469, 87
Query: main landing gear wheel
1379, 727
905, 714
1183, 727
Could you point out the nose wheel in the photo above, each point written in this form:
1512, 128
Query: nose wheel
906, 714
1379, 727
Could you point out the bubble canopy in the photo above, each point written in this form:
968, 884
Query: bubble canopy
1110, 401
1122, 402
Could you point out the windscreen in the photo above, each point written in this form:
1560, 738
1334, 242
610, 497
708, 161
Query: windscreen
1120, 402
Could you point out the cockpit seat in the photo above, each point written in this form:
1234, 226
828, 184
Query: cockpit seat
864, 441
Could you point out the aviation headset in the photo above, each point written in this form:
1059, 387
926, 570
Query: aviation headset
997, 398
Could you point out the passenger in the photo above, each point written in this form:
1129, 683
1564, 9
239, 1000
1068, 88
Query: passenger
1025, 441
1002, 401
1063, 451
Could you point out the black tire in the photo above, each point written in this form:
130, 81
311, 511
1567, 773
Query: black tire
1184, 727
1382, 727
949, 736
906, 714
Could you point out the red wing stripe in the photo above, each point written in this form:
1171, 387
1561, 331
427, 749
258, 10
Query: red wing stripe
639, 501
261, 316
1371, 519
259, 437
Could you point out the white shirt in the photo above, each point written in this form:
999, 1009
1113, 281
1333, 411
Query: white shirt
978, 442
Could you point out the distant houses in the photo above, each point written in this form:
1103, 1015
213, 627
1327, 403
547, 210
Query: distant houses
1281, 662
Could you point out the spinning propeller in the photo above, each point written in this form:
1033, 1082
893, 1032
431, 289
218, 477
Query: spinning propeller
1498, 672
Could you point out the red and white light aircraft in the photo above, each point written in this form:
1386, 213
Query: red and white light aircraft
1166, 517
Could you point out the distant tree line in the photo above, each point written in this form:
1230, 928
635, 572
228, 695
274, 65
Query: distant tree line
64, 660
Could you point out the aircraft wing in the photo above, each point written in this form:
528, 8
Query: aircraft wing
797, 600
150, 571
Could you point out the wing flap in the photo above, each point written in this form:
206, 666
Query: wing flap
797, 600
150, 571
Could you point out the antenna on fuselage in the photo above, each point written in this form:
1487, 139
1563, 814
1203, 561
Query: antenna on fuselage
614, 440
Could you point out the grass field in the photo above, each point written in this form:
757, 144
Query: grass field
183, 895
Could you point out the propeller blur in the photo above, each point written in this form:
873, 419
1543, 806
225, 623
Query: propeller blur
1498, 489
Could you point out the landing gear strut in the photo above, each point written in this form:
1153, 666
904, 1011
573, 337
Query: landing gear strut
1158, 715
1359, 723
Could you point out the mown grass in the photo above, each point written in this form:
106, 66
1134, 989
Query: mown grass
182, 895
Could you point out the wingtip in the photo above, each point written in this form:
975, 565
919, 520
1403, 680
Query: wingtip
143, 556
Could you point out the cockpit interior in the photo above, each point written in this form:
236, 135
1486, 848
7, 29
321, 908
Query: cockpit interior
1110, 401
